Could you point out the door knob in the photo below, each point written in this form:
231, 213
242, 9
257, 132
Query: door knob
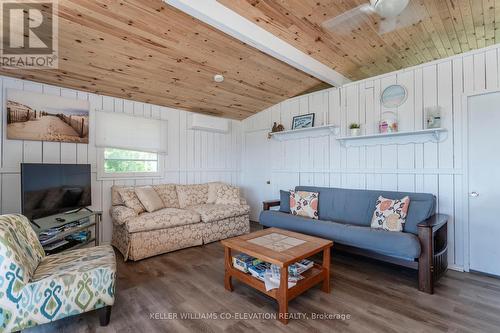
474, 194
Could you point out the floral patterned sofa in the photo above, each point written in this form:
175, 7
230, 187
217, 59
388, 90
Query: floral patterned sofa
191, 215
37, 289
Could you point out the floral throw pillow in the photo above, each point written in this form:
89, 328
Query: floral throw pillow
192, 195
168, 195
131, 200
304, 204
390, 214
149, 198
228, 195
213, 187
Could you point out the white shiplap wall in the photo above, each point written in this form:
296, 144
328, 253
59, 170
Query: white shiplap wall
430, 167
193, 156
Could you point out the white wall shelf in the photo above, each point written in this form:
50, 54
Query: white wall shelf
420, 136
304, 133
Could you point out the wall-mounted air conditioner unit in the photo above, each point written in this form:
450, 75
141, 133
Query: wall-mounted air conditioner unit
208, 123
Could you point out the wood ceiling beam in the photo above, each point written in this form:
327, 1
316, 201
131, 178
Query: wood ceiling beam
220, 17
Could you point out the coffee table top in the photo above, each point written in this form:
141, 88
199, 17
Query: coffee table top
278, 246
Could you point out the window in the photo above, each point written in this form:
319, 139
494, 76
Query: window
121, 163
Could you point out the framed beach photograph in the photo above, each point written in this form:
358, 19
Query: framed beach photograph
303, 121
41, 117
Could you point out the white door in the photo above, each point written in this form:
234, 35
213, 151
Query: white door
484, 183
256, 171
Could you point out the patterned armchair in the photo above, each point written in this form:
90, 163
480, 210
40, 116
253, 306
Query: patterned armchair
37, 289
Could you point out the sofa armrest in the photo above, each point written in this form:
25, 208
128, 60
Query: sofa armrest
433, 260
435, 222
121, 214
266, 205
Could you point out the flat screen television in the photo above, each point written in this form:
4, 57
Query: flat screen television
49, 189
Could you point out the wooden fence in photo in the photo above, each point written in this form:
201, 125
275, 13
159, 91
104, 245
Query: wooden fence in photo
18, 115
79, 123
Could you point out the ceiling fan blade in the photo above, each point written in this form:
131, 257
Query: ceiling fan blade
346, 21
410, 16
387, 25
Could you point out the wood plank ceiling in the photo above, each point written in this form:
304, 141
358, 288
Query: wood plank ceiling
445, 28
148, 51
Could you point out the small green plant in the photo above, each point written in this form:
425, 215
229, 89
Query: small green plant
354, 126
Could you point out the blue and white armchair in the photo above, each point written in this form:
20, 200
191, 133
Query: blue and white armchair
37, 289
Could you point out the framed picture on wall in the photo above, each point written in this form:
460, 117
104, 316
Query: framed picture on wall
41, 117
303, 121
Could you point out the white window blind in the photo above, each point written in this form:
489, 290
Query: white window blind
118, 130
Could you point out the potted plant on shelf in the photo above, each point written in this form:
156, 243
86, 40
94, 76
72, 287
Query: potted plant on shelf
355, 129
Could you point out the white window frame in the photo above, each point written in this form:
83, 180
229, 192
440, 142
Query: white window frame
103, 175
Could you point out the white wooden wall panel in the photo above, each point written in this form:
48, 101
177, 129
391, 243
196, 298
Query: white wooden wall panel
430, 167
193, 156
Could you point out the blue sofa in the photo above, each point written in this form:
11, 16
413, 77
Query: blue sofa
345, 216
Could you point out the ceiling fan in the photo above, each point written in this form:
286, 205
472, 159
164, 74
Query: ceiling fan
393, 14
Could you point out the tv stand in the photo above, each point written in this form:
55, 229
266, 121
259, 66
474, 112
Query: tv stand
65, 221
79, 209
36, 224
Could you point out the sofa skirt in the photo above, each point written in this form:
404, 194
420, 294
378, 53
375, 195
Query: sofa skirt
226, 228
144, 244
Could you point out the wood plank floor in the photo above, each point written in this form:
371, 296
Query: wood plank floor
373, 297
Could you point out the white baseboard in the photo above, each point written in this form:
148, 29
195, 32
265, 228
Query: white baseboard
457, 268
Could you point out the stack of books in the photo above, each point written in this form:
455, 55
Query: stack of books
258, 268
48, 236
300, 266
243, 261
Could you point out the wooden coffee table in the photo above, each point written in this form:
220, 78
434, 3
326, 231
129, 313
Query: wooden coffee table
282, 248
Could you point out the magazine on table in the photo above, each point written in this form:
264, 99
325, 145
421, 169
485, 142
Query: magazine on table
259, 270
243, 261
270, 273
48, 236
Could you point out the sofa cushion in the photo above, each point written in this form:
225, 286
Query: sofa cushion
162, 219
149, 198
66, 284
396, 244
228, 195
116, 198
168, 195
216, 212
192, 195
75, 262
304, 204
121, 214
131, 200
212, 191
284, 201
390, 214
356, 206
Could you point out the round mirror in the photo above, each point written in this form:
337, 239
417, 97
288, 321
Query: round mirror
393, 96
